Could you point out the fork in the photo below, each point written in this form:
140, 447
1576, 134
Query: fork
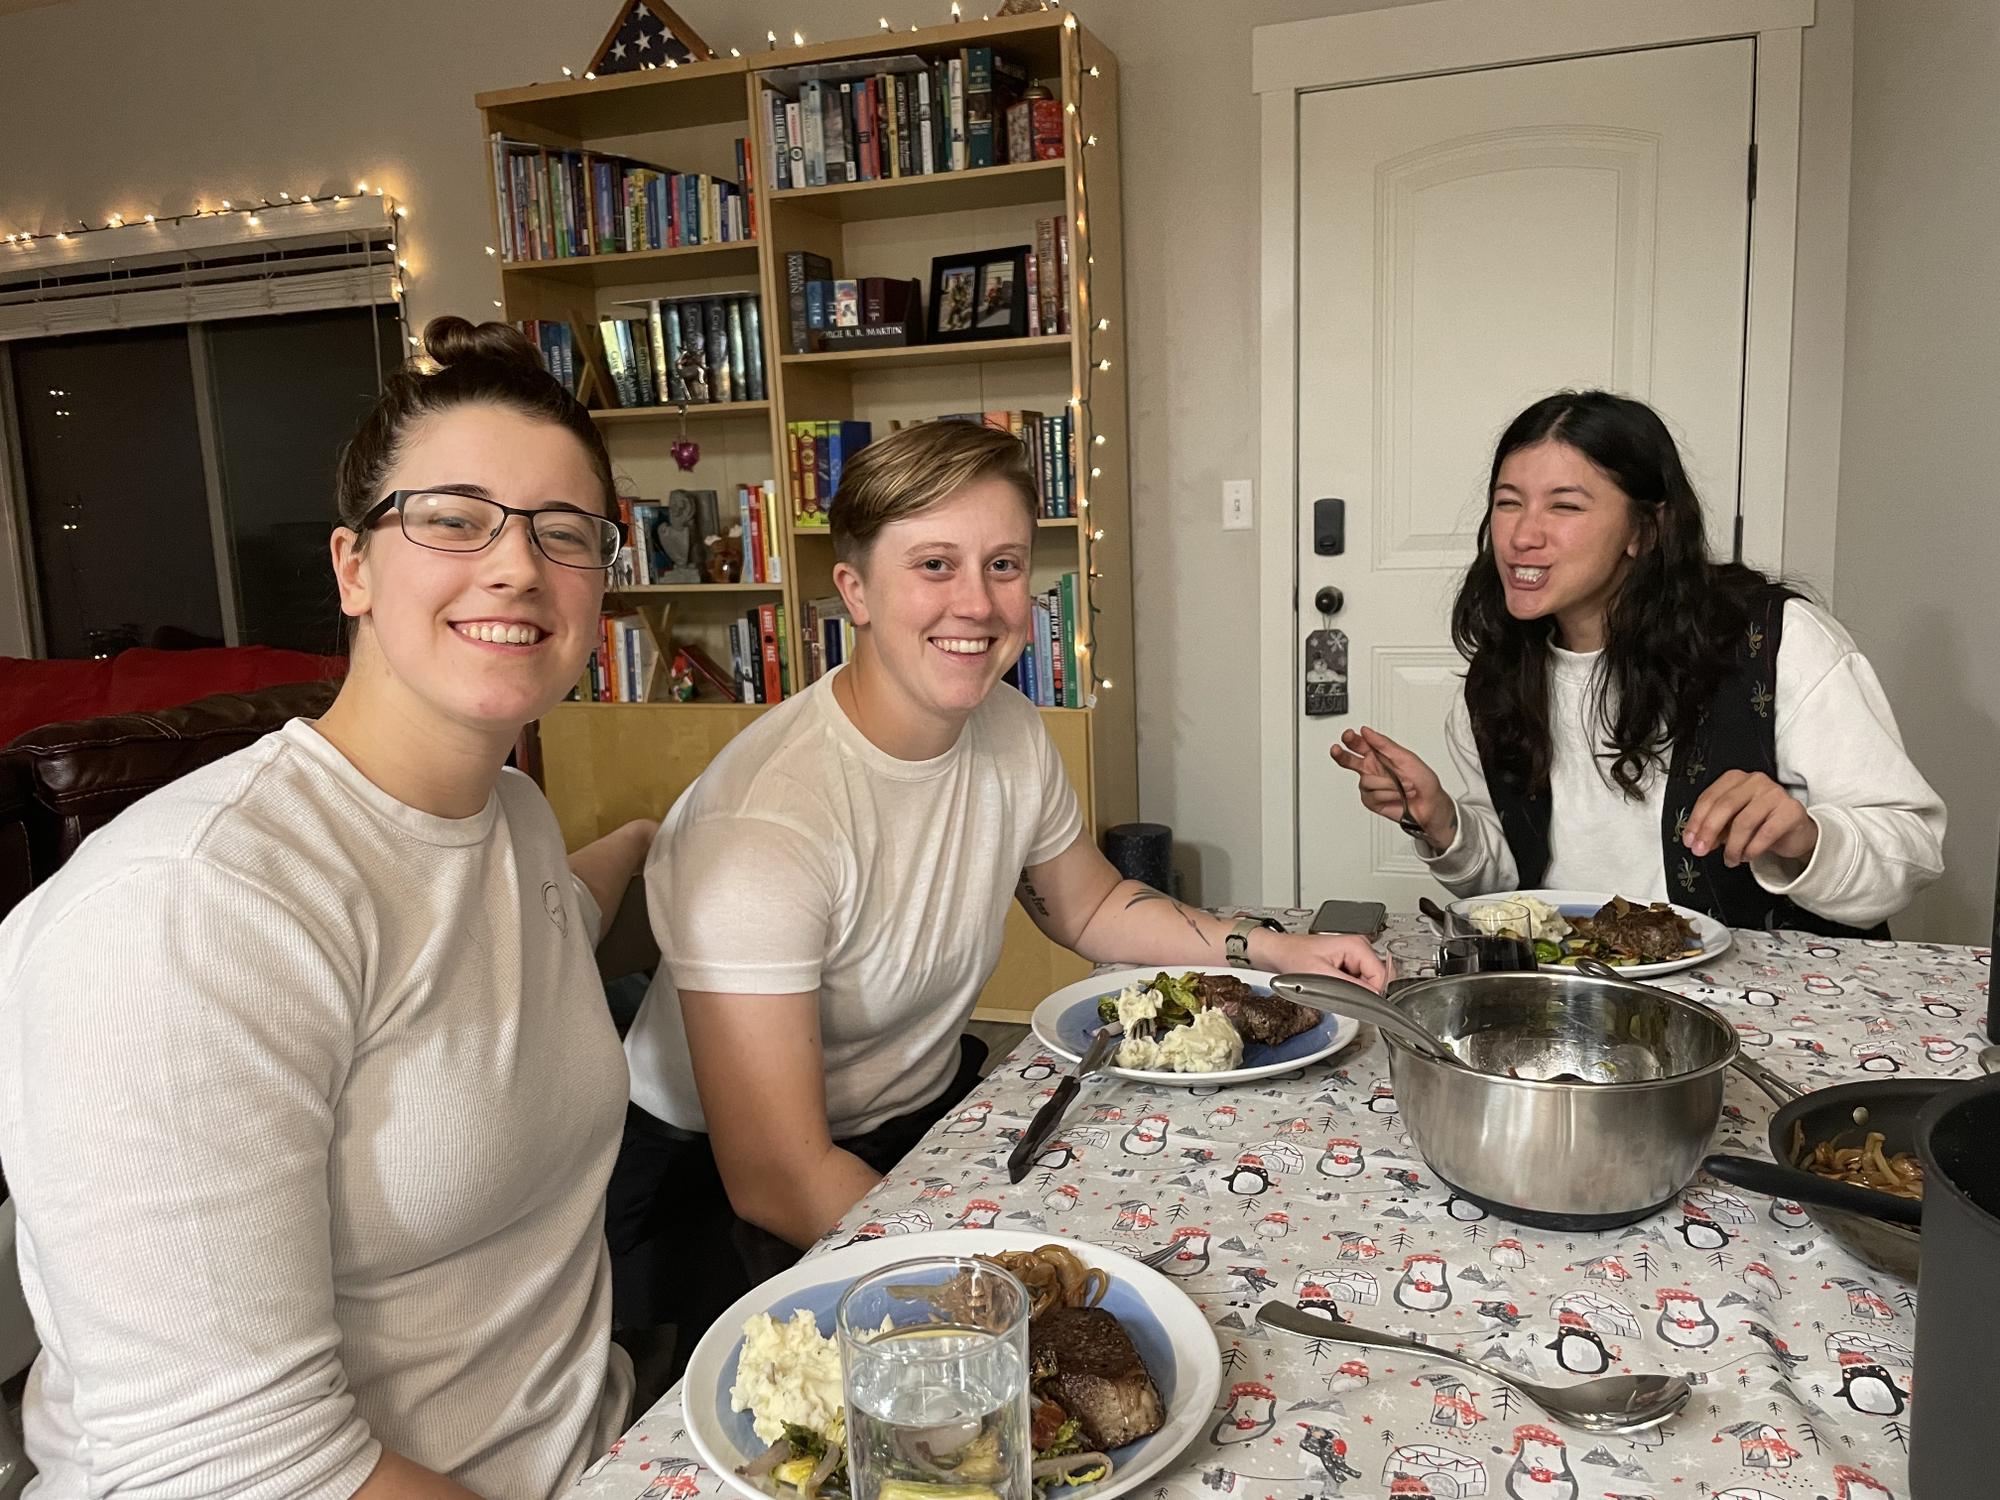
1406, 822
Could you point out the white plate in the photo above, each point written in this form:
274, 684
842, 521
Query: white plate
1716, 939
1066, 1021
1173, 1338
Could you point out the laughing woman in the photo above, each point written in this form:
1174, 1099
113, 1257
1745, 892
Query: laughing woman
830, 897
1640, 719
308, 1088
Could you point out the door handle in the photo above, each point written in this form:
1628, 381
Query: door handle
1329, 600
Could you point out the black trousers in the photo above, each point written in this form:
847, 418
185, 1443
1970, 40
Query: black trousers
679, 1253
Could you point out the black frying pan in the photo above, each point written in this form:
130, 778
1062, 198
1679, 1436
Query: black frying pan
1880, 1228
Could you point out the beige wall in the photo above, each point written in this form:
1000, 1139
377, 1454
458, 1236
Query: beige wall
213, 98
1919, 560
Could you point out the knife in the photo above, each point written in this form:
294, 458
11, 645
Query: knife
1050, 1115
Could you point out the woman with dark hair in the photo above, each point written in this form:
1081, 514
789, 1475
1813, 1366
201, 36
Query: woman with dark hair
308, 1088
1638, 718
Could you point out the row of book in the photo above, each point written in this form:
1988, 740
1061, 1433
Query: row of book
817, 453
829, 635
758, 659
827, 312
1048, 673
1048, 278
724, 335
666, 544
620, 669
901, 116
555, 205
641, 351
1050, 442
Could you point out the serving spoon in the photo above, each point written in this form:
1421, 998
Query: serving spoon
1611, 1404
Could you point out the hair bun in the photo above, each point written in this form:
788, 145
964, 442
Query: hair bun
450, 341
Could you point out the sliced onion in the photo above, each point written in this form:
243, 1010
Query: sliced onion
1059, 1470
766, 1461
824, 1467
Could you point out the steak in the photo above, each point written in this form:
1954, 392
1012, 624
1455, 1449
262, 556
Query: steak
1085, 1362
1648, 933
1265, 1019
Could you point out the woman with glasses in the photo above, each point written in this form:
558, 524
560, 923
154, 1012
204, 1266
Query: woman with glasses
308, 1089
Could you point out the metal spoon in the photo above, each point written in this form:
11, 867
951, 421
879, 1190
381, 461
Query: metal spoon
1611, 1404
1345, 997
1435, 914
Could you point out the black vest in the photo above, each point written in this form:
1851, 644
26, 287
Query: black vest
1736, 731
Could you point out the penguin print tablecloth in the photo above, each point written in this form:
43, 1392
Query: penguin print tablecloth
1309, 1189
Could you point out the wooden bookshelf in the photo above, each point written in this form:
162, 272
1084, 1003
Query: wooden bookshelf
605, 763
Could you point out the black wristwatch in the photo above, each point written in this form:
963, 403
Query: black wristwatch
1236, 947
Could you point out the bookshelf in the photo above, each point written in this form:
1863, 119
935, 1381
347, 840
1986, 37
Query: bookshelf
605, 763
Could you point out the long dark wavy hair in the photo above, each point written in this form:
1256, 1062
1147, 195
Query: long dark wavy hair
1670, 628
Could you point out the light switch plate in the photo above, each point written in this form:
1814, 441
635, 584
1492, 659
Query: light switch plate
1238, 513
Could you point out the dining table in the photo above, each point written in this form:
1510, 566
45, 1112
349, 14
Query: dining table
1307, 1188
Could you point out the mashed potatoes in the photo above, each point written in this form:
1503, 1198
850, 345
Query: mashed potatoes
1547, 923
1137, 1002
788, 1373
1208, 1045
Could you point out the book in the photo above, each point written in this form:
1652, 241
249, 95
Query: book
802, 268
846, 305
767, 627
739, 368
781, 141
753, 348
1066, 596
812, 115
978, 64
720, 387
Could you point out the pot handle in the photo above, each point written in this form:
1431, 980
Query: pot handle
1345, 997
1778, 1181
1777, 1089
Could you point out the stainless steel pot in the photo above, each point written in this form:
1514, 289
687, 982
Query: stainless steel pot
1568, 1101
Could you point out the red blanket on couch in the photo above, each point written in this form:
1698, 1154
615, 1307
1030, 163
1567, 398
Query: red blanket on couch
34, 693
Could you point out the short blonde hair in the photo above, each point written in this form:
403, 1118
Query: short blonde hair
908, 472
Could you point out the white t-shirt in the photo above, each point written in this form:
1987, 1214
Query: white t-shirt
308, 1100
804, 858
1881, 827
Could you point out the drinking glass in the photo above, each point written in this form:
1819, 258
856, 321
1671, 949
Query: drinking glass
934, 1369
1493, 938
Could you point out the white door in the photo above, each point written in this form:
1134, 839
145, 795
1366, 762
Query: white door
1469, 243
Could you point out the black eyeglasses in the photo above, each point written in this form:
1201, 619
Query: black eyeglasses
446, 521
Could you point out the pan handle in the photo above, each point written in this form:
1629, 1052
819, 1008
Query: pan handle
1776, 1181
1780, 1091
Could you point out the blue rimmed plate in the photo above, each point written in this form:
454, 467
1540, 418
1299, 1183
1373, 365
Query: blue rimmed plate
1172, 1337
1714, 938
1066, 1021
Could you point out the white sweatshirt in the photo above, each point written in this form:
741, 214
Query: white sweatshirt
1881, 827
308, 1100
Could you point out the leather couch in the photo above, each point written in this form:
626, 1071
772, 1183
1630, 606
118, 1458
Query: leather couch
62, 782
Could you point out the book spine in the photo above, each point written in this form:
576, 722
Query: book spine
860, 101
798, 150
1034, 292
979, 106
753, 347
1055, 694
753, 537
795, 302
1062, 279
642, 359
719, 386
767, 497
739, 360
957, 86
1066, 588
926, 126
781, 140
812, 121
767, 625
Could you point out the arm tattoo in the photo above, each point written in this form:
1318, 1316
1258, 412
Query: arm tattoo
1147, 893
1032, 897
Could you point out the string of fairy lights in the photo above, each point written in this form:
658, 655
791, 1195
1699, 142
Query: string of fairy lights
131, 229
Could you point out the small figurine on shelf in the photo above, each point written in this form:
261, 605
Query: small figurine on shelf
725, 557
680, 681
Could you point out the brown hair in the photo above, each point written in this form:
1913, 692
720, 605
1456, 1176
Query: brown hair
908, 472
462, 365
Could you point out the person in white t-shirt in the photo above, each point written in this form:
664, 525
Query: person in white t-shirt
308, 1088
831, 895
1637, 719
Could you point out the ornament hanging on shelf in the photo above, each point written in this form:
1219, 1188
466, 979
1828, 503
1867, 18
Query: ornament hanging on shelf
686, 451
647, 32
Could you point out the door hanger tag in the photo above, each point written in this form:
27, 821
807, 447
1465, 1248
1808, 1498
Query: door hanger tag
1326, 673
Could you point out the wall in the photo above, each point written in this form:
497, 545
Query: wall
1919, 559
205, 99
305, 97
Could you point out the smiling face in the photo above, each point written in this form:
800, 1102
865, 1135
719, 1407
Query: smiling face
1563, 535
941, 602
489, 640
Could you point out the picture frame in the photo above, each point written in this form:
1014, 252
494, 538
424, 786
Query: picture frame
982, 294
647, 33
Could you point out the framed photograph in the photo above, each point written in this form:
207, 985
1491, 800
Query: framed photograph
980, 295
